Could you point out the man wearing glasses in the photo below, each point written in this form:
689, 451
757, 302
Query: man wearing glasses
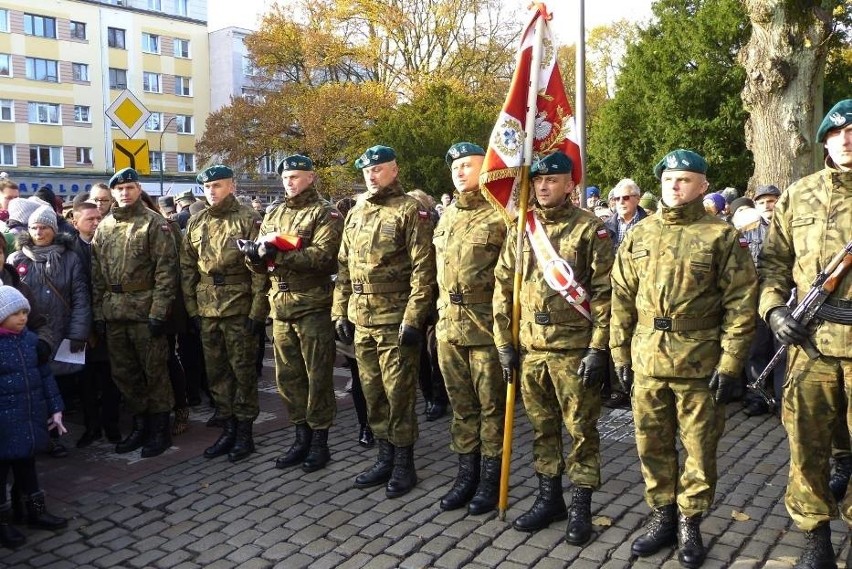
100, 196
628, 212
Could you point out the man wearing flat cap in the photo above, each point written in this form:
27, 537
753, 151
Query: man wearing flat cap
182, 204
468, 240
684, 297
563, 358
300, 292
134, 282
812, 222
384, 292
227, 304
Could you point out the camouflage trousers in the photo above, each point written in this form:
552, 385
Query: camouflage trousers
815, 394
661, 409
139, 367
229, 358
304, 368
554, 395
389, 379
478, 397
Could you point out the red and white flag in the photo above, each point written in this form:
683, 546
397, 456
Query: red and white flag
554, 123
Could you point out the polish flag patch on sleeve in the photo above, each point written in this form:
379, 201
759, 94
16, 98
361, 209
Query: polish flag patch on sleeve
334, 214
602, 234
423, 214
743, 242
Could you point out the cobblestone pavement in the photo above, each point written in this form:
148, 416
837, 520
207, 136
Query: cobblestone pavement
182, 511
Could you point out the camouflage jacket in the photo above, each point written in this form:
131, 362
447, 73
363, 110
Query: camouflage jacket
812, 222
387, 255
548, 322
688, 266
467, 241
216, 281
135, 267
301, 280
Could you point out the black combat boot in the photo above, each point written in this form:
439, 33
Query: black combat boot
488, 492
466, 482
660, 531
549, 505
691, 552
160, 436
818, 554
9, 536
135, 439
840, 477
299, 450
39, 517
243, 443
225, 442
380, 472
580, 517
318, 455
404, 476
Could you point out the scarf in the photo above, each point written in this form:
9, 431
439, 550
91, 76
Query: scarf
46, 262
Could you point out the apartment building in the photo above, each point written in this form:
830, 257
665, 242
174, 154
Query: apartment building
63, 62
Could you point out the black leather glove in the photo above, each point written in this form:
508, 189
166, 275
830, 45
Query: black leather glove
723, 386
593, 368
509, 361
345, 331
409, 335
254, 327
77, 346
249, 249
100, 328
156, 327
786, 329
625, 377
195, 324
43, 352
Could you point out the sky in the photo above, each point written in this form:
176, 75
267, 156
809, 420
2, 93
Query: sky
246, 13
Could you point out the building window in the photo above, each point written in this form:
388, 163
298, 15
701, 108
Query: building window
155, 5
7, 154
5, 65
7, 110
4, 20
155, 122
182, 9
82, 113
44, 113
46, 156
183, 124
155, 158
115, 38
150, 43
117, 78
181, 48
39, 26
81, 71
42, 69
186, 162
84, 155
78, 30
151, 82
248, 67
183, 86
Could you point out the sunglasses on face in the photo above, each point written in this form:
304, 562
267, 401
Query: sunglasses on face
622, 198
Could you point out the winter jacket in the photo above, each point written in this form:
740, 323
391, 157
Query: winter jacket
37, 321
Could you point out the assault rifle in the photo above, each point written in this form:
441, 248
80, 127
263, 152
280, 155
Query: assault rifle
825, 283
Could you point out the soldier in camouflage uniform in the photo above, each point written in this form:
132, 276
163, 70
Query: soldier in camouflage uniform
683, 309
467, 241
227, 304
383, 294
564, 359
811, 223
134, 281
300, 295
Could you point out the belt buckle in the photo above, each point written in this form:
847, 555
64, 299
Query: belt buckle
115, 288
284, 286
542, 318
456, 298
218, 279
662, 323
358, 288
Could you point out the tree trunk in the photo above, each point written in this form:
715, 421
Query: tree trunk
784, 62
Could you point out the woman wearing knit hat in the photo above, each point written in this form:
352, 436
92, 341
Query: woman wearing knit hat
714, 204
30, 405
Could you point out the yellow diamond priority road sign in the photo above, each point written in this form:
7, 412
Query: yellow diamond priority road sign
128, 113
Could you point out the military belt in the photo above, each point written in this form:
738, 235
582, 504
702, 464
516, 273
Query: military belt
668, 324
480, 297
379, 288
218, 279
555, 317
300, 285
836, 310
130, 287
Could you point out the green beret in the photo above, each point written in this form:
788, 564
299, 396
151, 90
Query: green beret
375, 155
213, 173
122, 176
839, 116
187, 196
681, 159
462, 150
296, 162
556, 163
